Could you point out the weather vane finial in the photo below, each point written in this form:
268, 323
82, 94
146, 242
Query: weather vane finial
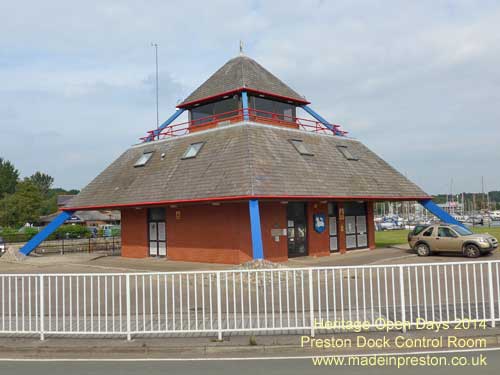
241, 48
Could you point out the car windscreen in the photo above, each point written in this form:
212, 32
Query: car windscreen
461, 230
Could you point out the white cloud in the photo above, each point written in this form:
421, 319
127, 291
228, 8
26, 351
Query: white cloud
416, 81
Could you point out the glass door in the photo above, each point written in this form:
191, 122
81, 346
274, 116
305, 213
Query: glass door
355, 225
332, 226
297, 229
157, 233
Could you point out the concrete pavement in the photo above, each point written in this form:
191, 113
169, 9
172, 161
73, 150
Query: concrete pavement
99, 263
152, 346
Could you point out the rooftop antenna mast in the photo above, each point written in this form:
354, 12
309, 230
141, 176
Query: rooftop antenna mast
452, 203
482, 191
155, 45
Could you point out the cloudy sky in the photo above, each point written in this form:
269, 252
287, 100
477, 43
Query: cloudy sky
417, 81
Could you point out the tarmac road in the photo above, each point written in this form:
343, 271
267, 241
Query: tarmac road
288, 366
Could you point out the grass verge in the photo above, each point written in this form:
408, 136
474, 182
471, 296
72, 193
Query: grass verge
388, 238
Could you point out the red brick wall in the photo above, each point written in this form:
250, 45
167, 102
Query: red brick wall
221, 234
273, 216
318, 244
134, 233
370, 225
206, 233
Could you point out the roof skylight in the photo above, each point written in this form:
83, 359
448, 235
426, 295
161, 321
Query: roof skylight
143, 159
344, 150
300, 147
193, 150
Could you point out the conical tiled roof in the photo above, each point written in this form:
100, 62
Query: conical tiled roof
240, 73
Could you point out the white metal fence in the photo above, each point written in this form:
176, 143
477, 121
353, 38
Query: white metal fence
231, 302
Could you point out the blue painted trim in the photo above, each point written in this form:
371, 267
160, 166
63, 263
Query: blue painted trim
444, 216
171, 119
45, 232
321, 119
257, 248
244, 104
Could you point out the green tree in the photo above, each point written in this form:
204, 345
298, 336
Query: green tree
8, 177
21, 207
42, 181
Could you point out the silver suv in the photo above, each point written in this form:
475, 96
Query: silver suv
425, 239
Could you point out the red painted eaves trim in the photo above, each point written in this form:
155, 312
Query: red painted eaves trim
245, 197
240, 89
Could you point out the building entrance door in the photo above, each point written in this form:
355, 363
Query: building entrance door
297, 229
355, 225
333, 214
157, 233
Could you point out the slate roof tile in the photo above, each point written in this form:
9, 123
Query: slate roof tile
241, 160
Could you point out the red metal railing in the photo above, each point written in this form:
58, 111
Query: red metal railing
254, 115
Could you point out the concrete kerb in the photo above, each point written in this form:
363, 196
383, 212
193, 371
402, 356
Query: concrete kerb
286, 345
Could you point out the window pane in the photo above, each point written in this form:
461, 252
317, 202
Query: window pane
143, 159
445, 232
263, 106
226, 105
157, 214
284, 110
193, 150
428, 232
344, 150
300, 147
354, 209
202, 112
332, 209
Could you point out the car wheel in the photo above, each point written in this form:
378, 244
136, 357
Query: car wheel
472, 251
423, 250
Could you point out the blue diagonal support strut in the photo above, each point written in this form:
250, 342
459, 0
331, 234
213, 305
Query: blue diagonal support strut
320, 119
444, 216
255, 228
171, 119
45, 232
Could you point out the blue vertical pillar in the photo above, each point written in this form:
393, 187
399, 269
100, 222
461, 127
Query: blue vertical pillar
439, 212
45, 232
244, 102
257, 248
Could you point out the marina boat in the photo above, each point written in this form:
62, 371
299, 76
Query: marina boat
495, 215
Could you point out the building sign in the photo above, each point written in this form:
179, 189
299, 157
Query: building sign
319, 222
278, 232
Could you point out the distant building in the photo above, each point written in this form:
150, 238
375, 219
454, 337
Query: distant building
88, 218
91, 218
